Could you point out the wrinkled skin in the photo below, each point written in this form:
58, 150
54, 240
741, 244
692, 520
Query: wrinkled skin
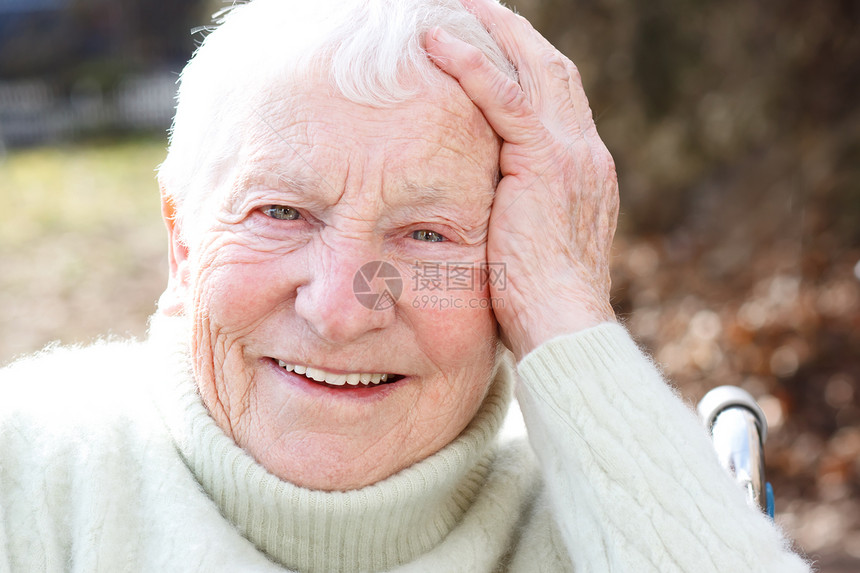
363, 181
260, 288
556, 207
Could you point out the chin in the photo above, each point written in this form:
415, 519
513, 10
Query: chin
340, 472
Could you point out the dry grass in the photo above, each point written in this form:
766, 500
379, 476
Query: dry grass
81, 243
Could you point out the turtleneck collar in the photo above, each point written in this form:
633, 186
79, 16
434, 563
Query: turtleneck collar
373, 528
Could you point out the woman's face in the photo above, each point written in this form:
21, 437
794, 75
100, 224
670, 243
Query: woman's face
321, 188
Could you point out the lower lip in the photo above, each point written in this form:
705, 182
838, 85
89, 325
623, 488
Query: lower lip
347, 391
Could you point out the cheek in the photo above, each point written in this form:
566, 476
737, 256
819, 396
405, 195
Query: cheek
236, 290
457, 333
461, 344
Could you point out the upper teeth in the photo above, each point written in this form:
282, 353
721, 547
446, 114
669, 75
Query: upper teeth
334, 379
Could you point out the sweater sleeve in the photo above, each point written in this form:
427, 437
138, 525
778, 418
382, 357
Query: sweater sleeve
632, 477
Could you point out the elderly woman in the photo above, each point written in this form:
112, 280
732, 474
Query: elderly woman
303, 403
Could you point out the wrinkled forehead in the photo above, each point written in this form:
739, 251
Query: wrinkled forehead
301, 125
301, 104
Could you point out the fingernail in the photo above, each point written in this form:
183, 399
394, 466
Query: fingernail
441, 35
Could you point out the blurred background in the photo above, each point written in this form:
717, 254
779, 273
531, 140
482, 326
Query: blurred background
735, 126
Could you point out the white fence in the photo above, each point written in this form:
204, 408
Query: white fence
31, 112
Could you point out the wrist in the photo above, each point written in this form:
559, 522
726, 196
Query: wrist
530, 330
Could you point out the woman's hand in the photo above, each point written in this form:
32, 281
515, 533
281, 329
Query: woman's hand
556, 207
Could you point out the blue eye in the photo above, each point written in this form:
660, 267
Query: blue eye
429, 236
282, 212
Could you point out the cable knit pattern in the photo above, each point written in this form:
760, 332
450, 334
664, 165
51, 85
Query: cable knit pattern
634, 461
109, 462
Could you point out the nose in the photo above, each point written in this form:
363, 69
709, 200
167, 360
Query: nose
350, 292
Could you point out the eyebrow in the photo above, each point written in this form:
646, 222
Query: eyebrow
429, 194
282, 182
301, 184
313, 189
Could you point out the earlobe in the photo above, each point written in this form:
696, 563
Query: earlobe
172, 301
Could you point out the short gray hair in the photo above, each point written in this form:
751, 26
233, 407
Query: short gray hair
371, 51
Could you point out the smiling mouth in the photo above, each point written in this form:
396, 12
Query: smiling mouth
355, 379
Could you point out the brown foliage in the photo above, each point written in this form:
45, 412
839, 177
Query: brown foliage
736, 131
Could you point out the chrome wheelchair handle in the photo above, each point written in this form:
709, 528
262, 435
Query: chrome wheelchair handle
738, 430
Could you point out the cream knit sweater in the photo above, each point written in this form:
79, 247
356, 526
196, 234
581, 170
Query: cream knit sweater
109, 462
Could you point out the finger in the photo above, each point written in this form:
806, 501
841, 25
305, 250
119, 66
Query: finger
542, 70
513, 33
581, 107
501, 99
535, 58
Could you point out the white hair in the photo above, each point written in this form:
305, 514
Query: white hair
370, 50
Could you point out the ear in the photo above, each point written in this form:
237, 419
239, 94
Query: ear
172, 301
